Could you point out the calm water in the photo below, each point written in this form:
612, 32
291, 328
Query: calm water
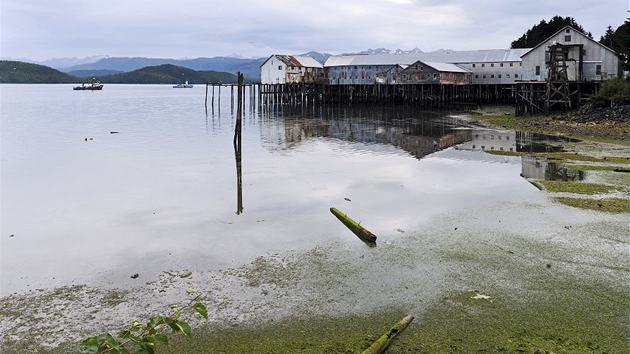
97, 186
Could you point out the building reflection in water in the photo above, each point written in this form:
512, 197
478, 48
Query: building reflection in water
537, 167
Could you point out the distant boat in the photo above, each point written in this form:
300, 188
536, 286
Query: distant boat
92, 86
184, 85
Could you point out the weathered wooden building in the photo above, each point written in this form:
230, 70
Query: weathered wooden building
571, 55
488, 67
291, 69
424, 72
363, 69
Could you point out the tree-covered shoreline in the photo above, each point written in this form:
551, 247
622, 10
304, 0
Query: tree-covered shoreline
16, 72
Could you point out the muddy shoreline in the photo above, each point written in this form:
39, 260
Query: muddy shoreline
506, 276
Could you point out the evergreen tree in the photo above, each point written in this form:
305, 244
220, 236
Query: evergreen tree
544, 30
619, 41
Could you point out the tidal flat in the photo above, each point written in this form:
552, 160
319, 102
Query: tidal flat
503, 277
528, 275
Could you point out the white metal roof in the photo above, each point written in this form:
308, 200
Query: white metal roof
446, 67
296, 60
454, 57
308, 62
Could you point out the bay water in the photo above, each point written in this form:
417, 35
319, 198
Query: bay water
110, 188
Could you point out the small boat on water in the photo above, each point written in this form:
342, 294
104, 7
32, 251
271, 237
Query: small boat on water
184, 85
91, 86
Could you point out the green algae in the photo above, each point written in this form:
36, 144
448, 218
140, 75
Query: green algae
549, 126
577, 187
610, 205
586, 158
595, 167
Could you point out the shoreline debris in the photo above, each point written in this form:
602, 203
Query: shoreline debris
364, 234
381, 344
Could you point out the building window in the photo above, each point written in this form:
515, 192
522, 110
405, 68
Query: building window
492, 65
568, 31
484, 76
567, 38
474, 65
598, 69
483, 65
516, 76
499, 76
501, 64
507, 75
537, 69
511, 64
492, 76
279, 67
476, 76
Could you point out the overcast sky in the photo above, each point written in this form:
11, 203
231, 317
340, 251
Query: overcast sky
45, 29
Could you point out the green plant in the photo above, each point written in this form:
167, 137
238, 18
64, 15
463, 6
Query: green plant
145, 337
614, 90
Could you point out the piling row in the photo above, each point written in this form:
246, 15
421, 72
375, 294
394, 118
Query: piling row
529, 97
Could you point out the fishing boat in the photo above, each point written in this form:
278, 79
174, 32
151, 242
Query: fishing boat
184, 85
91, 86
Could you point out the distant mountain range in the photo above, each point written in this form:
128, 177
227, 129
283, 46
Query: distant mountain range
103, 65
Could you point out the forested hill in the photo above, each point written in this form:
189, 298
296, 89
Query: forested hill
169, 74
16, 72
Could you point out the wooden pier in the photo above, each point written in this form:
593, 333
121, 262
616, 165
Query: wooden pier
529, 97
432, 96
543, 97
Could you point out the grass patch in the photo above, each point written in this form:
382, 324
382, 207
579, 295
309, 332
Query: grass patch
586, 158
505, 153
595, 167
610, 205
546, 125
577, 187
508, 121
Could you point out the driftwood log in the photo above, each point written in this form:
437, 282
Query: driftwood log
381, 344
364, 234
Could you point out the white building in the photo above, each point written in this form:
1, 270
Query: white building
291, 69
582, 56
491, 66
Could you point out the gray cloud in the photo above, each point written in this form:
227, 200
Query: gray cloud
43, 29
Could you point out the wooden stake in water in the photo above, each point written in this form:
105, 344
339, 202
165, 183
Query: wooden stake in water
380, 346
364, 234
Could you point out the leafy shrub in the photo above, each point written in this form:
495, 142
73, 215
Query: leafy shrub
613, 91
144, 337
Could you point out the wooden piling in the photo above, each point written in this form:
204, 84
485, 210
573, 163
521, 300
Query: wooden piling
381, 344
364, 234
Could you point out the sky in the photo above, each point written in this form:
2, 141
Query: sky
46, 29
